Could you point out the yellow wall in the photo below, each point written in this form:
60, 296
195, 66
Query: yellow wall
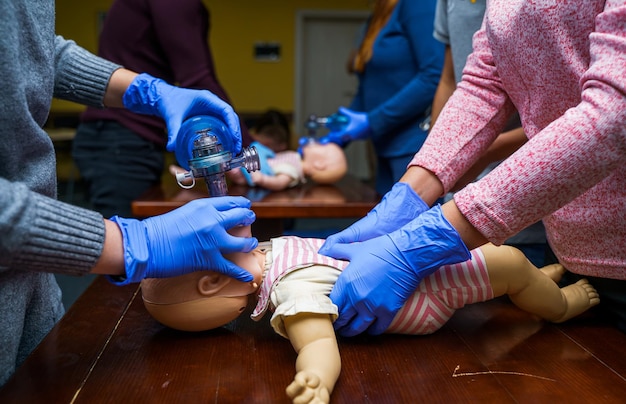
236, 26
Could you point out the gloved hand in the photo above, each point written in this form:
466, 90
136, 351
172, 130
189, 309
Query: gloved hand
190, 238
358, 128
398, 207
152, 96
264, 154
303, 141
385, 271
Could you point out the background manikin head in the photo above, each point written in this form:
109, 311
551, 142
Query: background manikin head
324, 163
203, 300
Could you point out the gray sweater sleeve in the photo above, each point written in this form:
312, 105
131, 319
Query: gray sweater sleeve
43, 234
80, 76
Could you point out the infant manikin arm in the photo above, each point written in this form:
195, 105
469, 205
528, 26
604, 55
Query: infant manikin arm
276, 182
318, 364
304, 314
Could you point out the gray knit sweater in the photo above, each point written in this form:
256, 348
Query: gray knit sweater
39, 235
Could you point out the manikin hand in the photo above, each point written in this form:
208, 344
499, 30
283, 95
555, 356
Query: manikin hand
398, 207
190, 238
357, 129
152, 96
384, 271
308, 388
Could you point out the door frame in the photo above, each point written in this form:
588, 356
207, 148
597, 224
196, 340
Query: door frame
301, 17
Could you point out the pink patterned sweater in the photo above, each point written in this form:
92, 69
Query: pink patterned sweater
562, 64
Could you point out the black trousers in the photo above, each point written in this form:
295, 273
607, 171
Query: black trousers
116, 164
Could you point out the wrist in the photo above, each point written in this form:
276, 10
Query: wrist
424, 182
468, 233
111, 261
119, 82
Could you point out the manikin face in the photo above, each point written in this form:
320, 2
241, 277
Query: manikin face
323, 163
204, 300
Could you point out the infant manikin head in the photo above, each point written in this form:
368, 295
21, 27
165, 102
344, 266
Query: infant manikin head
324, 163
203, 300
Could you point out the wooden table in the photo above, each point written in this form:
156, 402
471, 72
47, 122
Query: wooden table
107, 349
348, 198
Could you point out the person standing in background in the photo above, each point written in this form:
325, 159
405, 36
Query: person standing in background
398, 65
120, 154
41, 236
456, 21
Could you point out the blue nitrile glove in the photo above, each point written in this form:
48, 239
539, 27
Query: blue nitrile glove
264, 154
303, 141
358, 128
152, 96
385, 271
398, 207
190, 238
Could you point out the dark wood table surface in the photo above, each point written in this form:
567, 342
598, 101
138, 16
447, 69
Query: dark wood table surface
107, 349
348, 198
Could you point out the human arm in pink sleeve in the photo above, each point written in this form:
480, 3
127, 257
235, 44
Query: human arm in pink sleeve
461, 134
566, 158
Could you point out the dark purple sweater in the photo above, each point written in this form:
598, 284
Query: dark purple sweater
166, 39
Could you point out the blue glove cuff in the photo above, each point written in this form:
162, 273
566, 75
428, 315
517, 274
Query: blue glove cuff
136, 253
305, 140
407, 195
429, 241
399, 206
143, 96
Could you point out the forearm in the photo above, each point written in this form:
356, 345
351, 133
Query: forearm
504, 145
44, 234
118, 83
272, 182
446, 87
80, 76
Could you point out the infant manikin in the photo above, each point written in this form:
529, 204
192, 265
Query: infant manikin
321, 163
293, 281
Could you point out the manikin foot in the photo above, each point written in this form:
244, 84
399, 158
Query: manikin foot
554, 271
306, 388
580, 297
